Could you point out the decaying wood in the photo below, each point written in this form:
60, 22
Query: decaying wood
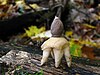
79, 66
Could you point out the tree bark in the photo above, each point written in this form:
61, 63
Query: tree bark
81, 66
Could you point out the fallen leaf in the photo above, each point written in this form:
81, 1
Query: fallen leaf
75, 48
88, 52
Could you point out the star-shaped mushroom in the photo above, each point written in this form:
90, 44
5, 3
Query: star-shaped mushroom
57, 45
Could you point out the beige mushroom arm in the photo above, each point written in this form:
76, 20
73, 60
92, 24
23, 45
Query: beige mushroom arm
58, 46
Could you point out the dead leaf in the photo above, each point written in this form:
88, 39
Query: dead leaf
88, 52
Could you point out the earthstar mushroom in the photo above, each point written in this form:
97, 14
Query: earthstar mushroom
56, 45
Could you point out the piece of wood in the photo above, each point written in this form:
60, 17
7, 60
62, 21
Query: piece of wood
81, 66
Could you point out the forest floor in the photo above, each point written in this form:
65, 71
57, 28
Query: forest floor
17, 58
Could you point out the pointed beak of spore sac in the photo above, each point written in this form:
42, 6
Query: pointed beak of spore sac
69, 61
